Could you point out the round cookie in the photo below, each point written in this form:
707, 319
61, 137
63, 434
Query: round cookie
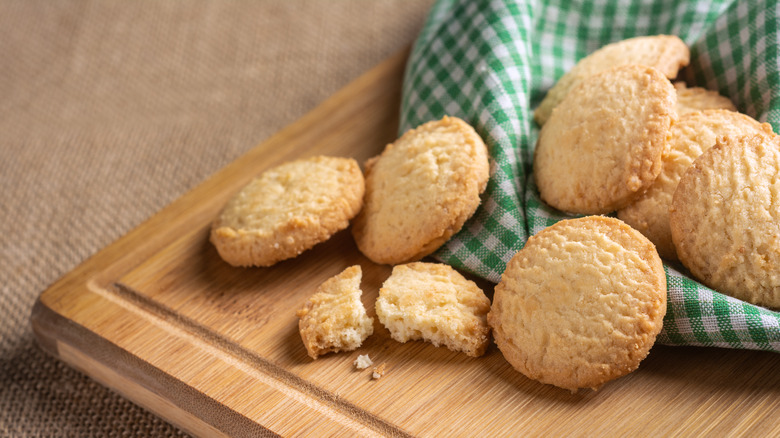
693, 133
602, 146
287, 210
581, 304
666, 53
699, 99
725, 218
420, 191
434, 302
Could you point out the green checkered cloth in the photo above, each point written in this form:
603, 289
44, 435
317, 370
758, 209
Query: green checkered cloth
491, 63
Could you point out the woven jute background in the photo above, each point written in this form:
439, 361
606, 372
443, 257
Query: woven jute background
110, 110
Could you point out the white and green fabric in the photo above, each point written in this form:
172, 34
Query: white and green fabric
491, 62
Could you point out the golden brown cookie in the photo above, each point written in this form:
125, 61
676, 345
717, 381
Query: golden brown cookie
433, 302
693, 133
698, 99
334, 319
666, 53
287, 210
581, 304
420, 191
725, 218
602, 146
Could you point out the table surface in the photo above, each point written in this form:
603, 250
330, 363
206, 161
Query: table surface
110, 111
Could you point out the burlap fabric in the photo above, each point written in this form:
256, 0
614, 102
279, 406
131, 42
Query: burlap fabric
110, 110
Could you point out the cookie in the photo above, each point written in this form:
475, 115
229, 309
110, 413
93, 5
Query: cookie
435, 303
334, 319
602, 146
666, 53
693, 133
287, 210
363, 361
725, 218
697, 99
420, 191
581, 304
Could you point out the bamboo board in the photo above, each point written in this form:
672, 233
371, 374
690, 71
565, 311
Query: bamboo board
159, 318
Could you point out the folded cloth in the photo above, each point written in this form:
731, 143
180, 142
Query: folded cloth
491, 62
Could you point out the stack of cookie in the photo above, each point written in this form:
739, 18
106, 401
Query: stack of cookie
617, 136
411, 200
583, 301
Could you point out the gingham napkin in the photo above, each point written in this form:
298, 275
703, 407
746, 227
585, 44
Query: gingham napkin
491, 62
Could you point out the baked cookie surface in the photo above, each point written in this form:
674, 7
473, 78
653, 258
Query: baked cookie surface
581, 304
420, 191
287, 210
725, 218
602, 145
435, 303
334, 319
691, 135
666, 53
691, 99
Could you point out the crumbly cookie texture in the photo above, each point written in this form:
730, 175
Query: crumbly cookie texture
581, 304
602, 146
693, 99
420, 191
334, 319
693, 133
435, 303
666, 53
725, 218
379, 371
288, 209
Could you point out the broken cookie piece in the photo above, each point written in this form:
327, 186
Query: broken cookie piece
435, 303
334, 319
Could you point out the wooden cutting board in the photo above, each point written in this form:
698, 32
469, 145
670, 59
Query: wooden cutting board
159, 318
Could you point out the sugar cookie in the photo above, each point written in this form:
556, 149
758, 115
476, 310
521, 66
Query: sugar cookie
602, 146
697, 99
287, 210
693, 133
581, 304
666, 53
420, 191
725, 218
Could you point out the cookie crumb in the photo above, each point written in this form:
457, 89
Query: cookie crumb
363, 361
379, 371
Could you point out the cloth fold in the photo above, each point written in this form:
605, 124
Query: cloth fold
491, 62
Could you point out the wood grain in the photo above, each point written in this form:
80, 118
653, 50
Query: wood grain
158, 317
